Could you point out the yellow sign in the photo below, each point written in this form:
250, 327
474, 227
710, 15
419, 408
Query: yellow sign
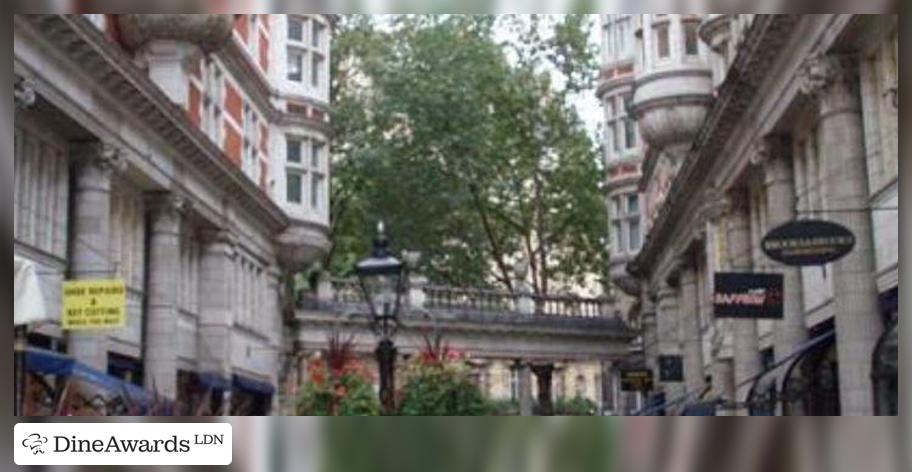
94, 304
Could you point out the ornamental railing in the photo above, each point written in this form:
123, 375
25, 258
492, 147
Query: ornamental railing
347, 291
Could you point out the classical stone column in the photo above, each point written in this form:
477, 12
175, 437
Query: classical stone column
216, 311
160, 357
746, 339
524, 372
649, 332
833, 80
543, 373
276, 328
723, 379
691, 340
774, 154
94, 164
667, 335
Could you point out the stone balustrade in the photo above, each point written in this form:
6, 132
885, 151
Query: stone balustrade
337, 292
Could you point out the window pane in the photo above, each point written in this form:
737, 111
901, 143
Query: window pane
317, 34
294, 182
295, 65
293, 150
634, 234
621, 38
690, 38
316, 191
316, 155
618, 238
662, 40
633, 204
295, 29
316, 70
609, 137
630, 132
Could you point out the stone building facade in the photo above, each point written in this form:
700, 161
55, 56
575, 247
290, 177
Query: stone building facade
188, 156
766, 120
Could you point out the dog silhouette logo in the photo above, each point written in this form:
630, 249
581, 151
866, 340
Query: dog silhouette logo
35, 442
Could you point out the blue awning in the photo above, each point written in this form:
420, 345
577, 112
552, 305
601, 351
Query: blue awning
48, 362
251, 385
214, 381
700, 409
54, 363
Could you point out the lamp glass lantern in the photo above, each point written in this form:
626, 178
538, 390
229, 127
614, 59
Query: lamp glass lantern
381, 276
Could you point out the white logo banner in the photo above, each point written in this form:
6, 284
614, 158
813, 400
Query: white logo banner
122, 444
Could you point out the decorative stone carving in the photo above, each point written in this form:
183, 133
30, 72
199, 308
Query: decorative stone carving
715, 204
209, 32
100, 155
830, 78
167, 209
24, 93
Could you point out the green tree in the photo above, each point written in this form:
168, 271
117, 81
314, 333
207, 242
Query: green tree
468, 147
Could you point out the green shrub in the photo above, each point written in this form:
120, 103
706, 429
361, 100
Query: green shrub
504, 407
435, 389
347, 395
576, 406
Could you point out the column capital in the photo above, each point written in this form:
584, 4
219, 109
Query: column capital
101, 155
832, 79
768, 148
24, 92
165, 201
167, 209
716, 204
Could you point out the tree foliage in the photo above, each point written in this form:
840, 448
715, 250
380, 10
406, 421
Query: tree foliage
467, 147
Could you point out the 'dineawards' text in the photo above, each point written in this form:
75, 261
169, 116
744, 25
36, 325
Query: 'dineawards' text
114, 445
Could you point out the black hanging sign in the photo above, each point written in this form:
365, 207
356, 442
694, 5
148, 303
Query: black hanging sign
636, 380
744, 295
808, 242
671, 368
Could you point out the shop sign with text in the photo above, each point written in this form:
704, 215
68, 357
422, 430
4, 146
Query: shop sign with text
746, 295
808, 242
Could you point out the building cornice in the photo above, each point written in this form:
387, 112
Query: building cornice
763, 42
117, 73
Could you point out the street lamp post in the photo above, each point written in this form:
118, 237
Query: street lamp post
382, 277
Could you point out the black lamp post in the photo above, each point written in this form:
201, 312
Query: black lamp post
382, 279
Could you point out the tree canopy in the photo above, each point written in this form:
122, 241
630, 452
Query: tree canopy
467, 147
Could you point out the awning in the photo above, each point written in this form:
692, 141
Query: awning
28, 303
766, 390
700, 409
214, 381
252, 385
54, 363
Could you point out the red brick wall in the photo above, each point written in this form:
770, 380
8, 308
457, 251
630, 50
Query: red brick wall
264, 139
233, 102
264, 52
241, 26
233, 144
193, 105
